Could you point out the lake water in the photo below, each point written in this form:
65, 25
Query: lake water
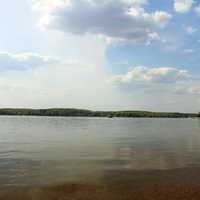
41, 150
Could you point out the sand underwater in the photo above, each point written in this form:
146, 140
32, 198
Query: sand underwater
173, 184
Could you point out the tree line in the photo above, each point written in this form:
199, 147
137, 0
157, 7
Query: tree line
88, 113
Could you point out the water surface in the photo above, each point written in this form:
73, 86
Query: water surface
41, 150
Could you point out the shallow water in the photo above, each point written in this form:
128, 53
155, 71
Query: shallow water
41, 150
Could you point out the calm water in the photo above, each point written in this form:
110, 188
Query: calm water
41, 150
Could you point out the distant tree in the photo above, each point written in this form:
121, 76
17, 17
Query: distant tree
88, 113
198, 114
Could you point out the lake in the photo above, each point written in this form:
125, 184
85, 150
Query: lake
41, 150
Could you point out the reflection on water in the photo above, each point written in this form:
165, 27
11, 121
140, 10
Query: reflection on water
49, 150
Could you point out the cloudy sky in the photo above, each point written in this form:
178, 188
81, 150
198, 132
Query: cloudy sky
100, 55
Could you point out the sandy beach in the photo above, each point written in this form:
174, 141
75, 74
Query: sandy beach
180, 184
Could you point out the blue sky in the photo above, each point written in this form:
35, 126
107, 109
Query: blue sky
122, 54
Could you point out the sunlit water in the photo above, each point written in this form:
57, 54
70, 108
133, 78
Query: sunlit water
44, 150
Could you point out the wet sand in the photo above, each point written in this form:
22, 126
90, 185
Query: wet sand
180, 184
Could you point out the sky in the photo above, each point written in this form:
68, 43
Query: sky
100, 55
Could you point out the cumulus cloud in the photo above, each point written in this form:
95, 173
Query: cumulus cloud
75, 85
52, 83
121, 20
168, 82
197, 10
188, 51
187, 89
144, 75
23, 61
190, 29
183, 6
48, 4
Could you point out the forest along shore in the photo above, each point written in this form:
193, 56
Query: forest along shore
70, 112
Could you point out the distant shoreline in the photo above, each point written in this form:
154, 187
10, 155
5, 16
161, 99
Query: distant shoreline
71, 112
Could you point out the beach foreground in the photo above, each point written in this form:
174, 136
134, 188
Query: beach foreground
180, 184
86, 192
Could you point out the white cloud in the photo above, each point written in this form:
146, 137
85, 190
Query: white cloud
74, 84
185, 89
121, 20
188, 51
183, 6
197, 10
161, 84
194, 90
144, 75
24, 61
190, 29
52, 83
48, 4
161, 18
